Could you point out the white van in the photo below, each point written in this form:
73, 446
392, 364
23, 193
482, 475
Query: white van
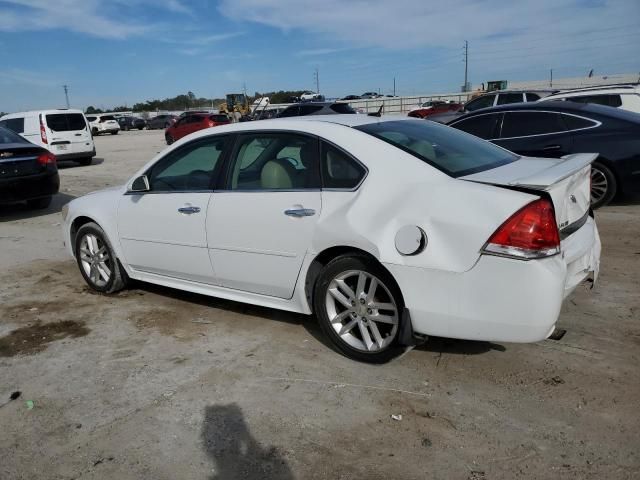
625, 97
64, 132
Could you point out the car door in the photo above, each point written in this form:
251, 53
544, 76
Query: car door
194, 124
534, 134
179, 128
162, 230
69, 133
260, 226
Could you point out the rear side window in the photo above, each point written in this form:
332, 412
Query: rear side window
575, 123
342, 108
608, 100
9, 136
13, 124
65, 122
523, 124
440, 146
482, 102
483, 126
505, 98
218, 118
339, 170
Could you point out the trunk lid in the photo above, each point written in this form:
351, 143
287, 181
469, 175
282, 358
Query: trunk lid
17, 160
567, 180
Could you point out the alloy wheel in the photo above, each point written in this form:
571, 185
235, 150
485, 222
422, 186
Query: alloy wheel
362, 311
599, 185
95, 259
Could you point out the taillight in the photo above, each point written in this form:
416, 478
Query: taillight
46, 158
211, 124
529, 233
43, 132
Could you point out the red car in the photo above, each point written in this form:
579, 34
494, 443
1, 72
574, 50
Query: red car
192, 123
433, 107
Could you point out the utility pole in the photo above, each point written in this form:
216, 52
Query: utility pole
551, 77
316, 76
466, 63
394, 86
66, 94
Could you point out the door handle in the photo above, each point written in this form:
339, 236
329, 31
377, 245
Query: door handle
300, 212
189, 210
552, 147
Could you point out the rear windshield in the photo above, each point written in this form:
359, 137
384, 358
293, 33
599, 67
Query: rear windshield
445, 148
105, 118
7, 136
218, 118
65, 122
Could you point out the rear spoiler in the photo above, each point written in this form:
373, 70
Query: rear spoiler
543, 179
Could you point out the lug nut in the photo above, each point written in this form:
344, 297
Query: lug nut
362, 301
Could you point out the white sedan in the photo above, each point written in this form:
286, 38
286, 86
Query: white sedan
387, 229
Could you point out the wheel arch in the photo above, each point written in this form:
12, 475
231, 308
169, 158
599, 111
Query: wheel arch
327, 255
78, 222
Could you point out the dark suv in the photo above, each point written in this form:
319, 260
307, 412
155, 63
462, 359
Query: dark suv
316, 108
161, 121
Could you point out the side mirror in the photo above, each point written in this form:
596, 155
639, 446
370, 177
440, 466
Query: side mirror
140, 184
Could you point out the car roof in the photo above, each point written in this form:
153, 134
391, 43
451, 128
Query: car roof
557, 106
43, 112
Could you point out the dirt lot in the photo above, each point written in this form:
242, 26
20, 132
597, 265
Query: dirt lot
159, 384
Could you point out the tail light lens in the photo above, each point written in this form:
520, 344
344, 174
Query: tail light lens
46, 158
529, 233
43, 132
211, 124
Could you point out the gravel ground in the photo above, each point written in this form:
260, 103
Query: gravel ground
154, 383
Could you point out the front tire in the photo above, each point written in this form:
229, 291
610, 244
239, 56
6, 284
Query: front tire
97, 261
358, 306
603, 185
115, 133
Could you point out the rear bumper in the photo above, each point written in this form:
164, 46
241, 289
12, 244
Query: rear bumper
76, 155
29, 187
499, 299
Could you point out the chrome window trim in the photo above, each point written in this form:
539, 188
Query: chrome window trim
597, 123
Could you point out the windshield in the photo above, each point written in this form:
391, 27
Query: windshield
445, 148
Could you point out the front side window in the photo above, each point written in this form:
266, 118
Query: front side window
483, 126
524, 124
275, 161
194, 167
506, 98
453, 152
339, 170
532, 97
13, 124
478, 103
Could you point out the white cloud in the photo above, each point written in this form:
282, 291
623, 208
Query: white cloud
319, 51
18, 76
92, 17
405, 24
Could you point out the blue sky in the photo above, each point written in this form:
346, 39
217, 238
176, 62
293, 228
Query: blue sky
114, 52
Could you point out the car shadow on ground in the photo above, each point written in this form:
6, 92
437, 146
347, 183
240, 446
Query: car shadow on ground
624, 201
233, 450
310, 323
20, 211
64, 164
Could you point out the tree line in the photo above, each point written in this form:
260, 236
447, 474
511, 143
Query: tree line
189, 100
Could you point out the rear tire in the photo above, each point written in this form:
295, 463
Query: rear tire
169, 139
94, 132
359, 308
39, 203
603, 185
115, 133
97, 261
